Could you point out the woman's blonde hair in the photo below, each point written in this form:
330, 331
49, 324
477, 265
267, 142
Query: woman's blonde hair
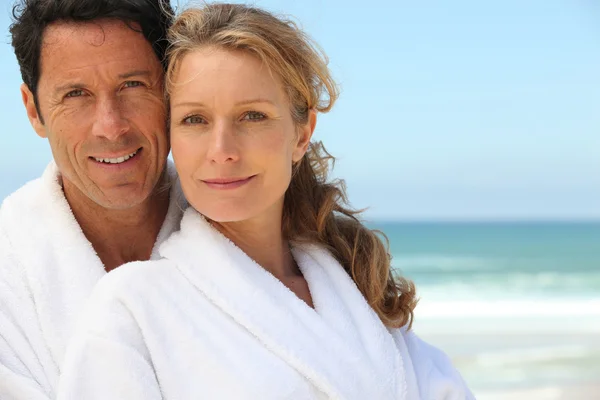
315, 209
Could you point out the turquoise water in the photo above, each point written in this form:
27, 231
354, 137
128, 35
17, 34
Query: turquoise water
516, 305
499, 260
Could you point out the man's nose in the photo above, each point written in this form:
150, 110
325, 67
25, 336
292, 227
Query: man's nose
110, 121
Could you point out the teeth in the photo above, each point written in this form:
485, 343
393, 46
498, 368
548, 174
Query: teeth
116, 160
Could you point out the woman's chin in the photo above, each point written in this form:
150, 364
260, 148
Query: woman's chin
240, 209
224, 215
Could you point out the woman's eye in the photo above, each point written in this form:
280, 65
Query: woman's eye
75, 93
193, 120
131, 84
254, 116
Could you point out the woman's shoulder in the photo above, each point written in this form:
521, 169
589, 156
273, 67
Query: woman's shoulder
123, 295
436, 376
134, 278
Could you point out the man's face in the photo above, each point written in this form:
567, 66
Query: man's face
102, 109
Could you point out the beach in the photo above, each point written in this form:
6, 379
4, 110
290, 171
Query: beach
521, 358
515, 306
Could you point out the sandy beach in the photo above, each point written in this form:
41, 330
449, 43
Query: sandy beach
583, 391
522, 358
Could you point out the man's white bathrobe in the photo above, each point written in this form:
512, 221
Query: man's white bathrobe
207, 322
47, 271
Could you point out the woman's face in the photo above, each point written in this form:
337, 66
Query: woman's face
232, 135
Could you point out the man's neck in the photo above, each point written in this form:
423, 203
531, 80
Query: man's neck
121, 236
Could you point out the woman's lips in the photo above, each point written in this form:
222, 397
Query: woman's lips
227, 183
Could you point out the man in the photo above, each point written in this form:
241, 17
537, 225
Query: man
93, 86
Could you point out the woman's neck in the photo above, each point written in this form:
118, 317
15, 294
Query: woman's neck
262, 240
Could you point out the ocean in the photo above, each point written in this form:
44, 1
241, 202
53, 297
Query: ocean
515, 305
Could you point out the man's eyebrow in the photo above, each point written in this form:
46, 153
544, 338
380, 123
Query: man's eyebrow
79, 85
135, 73
69, 86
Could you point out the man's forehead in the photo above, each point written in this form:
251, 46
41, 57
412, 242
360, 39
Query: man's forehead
94, 33
71, 47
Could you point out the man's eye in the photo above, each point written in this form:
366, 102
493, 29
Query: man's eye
254, 116
131, 84
75, 93
193, 120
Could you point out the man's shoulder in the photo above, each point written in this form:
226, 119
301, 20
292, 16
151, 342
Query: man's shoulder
16, 213
23, 197
32, 196
24, 222
13, 211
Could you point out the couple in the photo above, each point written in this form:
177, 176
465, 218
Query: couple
265, 287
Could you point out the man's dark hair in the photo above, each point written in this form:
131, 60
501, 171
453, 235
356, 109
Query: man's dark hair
31, 17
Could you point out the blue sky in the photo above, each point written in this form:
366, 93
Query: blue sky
456, 109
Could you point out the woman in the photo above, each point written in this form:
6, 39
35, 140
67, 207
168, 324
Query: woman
272, 289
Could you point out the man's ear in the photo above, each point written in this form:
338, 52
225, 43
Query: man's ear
35, 119
305, 133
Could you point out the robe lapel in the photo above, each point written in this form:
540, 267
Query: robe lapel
341, 304
266, 308
60, 265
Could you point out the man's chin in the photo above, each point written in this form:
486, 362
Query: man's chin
120, 197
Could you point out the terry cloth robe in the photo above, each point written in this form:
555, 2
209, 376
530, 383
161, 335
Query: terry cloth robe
47, 271
207, 322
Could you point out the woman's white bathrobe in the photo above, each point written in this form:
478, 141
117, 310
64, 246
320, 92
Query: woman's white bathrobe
47, 271
207, 322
